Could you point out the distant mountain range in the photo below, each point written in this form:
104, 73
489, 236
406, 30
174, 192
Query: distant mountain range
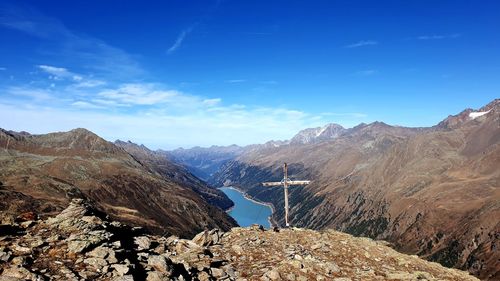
431, 191
205, 161
42, 173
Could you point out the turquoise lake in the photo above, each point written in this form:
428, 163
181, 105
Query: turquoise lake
247, 212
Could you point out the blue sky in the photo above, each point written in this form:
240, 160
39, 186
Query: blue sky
186, 73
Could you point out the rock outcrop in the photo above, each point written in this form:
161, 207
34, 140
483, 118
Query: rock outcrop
82, 244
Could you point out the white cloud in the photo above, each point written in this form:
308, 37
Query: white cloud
3, 68
362, 44
59, 73
108, 103
90, 84
235, 81
34, 94
141, 94
184, 33
211, 102
84, 104
178, 42
152, 95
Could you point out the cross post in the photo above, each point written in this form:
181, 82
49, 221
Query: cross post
286, 182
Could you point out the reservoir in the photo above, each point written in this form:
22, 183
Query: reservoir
245, 211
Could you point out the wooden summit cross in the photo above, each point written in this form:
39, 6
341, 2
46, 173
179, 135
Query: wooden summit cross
285, 182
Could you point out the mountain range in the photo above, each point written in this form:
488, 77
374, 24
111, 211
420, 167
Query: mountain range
204, 162
431, 191
42, 173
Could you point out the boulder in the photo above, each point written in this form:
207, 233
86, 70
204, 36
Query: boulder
103, 253
78, 246
271, 275
159, 263
5, 255
96, 263
157, 276
121, 269
20, 273
208, 238
124, 278
80, 242
142, 242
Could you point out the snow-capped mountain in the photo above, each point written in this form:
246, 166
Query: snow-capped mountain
314, 135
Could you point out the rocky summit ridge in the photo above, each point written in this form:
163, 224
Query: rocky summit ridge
83, 244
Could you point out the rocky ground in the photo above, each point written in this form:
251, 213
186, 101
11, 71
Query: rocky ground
81, 244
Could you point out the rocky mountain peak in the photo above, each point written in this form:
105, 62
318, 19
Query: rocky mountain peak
77, 139
494, 104
318, 134
82, 131
78, 244
129, 145
455, 121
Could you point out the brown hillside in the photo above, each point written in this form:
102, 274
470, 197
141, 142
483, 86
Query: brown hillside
430, 191
42, 173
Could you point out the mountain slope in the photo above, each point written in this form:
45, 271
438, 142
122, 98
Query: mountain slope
430, 191
42, 173
157, 162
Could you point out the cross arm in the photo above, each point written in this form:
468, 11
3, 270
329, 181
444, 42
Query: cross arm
299, 182
289, 182
277, 183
